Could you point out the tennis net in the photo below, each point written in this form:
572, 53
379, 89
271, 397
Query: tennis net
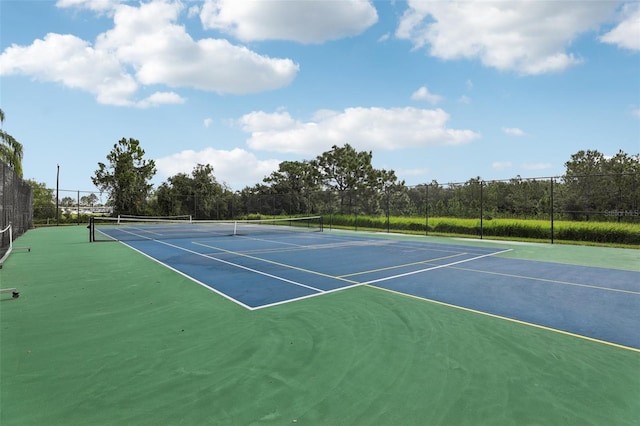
139, 228
6, 243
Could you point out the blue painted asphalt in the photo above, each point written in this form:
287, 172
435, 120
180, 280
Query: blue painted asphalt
598, 303
580, 300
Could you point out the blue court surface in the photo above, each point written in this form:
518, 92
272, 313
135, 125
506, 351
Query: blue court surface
267, 270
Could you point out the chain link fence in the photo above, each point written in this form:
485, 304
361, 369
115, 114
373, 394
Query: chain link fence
479, 208
476, 207
16, 207
577, 198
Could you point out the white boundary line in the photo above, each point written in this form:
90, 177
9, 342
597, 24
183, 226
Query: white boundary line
188, 276
319, 291
370, 284
272, 262
226, 262
433, 267
504, 318
547, 280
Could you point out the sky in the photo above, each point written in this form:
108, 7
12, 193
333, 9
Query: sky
437, 90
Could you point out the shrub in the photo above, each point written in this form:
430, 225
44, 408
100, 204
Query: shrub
592, 232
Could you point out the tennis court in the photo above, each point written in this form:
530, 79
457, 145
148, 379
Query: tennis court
258, 264
310, 327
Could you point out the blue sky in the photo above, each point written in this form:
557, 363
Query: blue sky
438, 90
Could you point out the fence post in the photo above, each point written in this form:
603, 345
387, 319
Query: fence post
58, 196
481, 211
551, 209
388, 210
426, 210
356, 210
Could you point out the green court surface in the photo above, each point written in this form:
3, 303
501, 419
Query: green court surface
102, 335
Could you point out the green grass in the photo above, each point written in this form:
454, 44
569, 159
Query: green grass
623, 234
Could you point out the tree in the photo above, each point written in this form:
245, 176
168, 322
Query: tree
126, 177
382, 191
43, 204
345, 170
10, 149
596, 184
581, 181
624, 184
351, 174
293, 184
208, 193
199, 195
255, 199
88, 200
68, 202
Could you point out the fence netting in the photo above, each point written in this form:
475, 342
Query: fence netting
577, 198
479, 207
16, 207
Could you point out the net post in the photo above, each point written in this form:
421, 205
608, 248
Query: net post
235, 228
8, 252
91, 236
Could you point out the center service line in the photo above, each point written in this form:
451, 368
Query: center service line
432, 268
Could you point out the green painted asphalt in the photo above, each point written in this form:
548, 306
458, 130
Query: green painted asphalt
101, 335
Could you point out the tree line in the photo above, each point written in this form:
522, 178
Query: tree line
11, 151
343, 180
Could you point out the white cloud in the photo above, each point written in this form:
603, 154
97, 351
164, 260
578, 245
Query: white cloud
310, 21
627, 33
423, 94
95, 5
537, 166
464, 100
372, 128
161, 98
73, 62
145, 47
193, 11
636, 112
501, 165
163, 53
207, 122
529, 37
237, 168
513, 131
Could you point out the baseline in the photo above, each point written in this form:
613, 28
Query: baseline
590, 308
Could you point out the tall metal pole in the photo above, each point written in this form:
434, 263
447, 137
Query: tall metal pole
388, 211
58, 196
426, 209
481, 211
551, 209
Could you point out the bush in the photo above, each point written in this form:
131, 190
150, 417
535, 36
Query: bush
591, 232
